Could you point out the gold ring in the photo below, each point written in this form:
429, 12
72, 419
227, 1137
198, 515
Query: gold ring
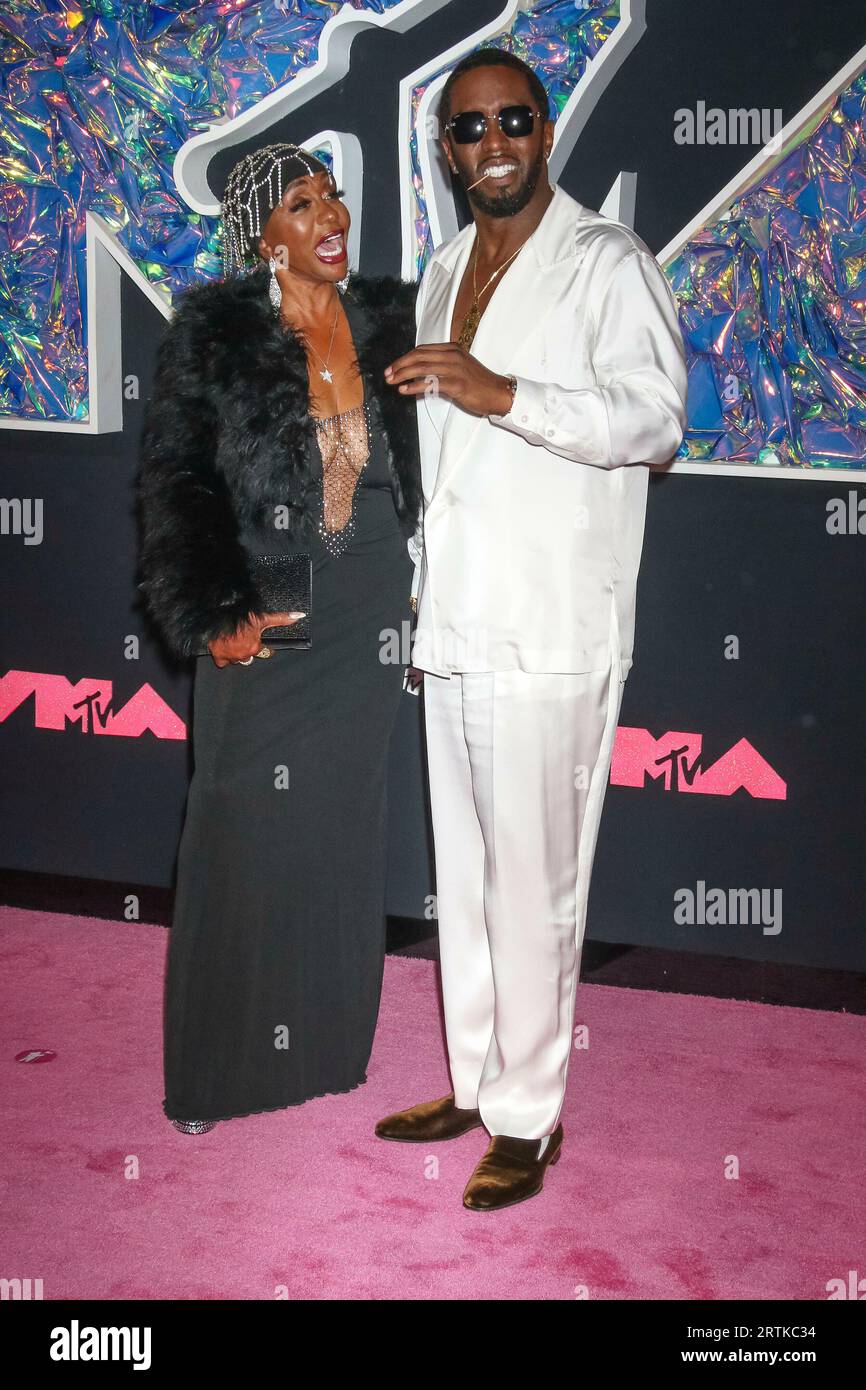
265, 651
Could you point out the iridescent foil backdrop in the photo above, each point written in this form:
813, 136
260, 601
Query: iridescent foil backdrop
97, 97
773, 309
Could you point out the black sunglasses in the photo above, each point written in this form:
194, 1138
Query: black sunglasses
516, 122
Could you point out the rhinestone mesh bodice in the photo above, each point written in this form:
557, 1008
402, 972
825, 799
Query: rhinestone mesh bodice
352, 489
344, 446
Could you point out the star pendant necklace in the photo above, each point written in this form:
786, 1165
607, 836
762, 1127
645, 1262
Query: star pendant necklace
326, 374
469, 327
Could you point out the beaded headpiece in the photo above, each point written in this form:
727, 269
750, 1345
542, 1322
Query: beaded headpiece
253, 188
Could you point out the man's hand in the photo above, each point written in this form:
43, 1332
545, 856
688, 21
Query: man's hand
246, 641
447, 369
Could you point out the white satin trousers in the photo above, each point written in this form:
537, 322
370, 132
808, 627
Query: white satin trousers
518, 767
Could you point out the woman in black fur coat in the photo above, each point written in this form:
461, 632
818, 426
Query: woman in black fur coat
270, 430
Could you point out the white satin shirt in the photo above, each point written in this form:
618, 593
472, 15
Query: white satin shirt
528, 550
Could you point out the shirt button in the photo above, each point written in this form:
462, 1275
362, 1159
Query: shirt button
550, 433
524, 418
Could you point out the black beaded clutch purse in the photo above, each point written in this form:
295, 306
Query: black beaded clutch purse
285, 585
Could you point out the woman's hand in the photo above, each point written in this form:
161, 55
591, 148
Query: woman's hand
246, 641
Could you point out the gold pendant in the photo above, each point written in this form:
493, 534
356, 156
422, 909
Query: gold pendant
469, 326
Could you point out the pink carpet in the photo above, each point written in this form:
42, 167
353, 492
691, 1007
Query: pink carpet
102, 1198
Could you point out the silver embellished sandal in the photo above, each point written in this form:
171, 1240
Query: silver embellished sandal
194, 1126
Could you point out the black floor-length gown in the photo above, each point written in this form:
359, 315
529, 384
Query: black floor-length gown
277, 946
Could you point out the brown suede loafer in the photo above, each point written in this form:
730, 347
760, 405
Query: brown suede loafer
509, 1172
428, 1122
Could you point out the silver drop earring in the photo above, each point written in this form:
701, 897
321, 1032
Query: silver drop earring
274, 292
342, 285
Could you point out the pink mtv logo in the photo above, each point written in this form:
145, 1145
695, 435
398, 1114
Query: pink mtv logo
88, 703
676, 759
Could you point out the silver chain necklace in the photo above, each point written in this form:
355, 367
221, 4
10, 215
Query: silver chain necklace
326, 374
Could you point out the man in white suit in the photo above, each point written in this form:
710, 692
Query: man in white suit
550, 373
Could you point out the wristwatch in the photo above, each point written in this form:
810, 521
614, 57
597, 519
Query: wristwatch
512, 382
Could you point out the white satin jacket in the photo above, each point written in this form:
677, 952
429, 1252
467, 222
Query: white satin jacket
528, 550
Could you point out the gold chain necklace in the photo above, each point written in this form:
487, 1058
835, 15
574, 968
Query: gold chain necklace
469, 327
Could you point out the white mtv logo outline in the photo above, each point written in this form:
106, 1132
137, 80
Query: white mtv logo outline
332, 64
105, 257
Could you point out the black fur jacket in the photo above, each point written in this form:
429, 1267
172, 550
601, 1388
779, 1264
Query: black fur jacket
228, 436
